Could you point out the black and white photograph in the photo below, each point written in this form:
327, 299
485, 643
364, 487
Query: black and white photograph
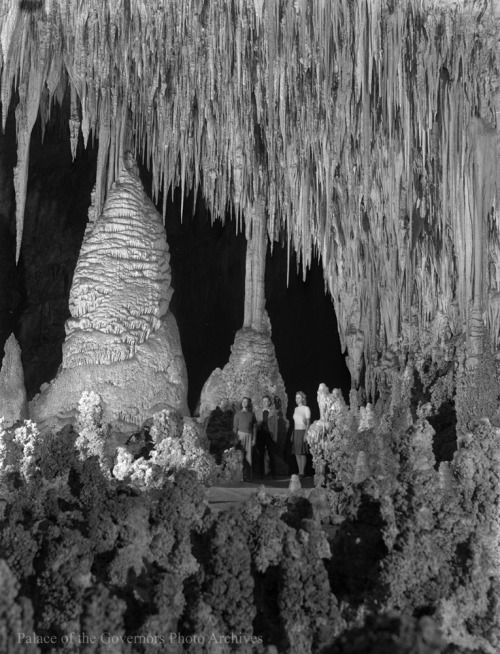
250, 326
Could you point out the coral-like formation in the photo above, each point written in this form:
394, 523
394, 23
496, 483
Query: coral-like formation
177, 443
93, 438
122, 341
435, 527
97, 555
13, 401
16, 616
20, 451
252, 371
231, 467
392, 633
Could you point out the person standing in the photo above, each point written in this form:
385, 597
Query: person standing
267, 436
301, 422
244, 428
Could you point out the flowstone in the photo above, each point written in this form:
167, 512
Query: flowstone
13, 402
252, 371
121, 340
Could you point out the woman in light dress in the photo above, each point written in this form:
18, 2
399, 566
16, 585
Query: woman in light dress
301, 422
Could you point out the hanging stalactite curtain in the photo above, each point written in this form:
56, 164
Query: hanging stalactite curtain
356, 124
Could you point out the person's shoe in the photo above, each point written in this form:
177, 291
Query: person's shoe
301, 476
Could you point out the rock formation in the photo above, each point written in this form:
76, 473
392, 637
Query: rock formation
361, 128
364, 133
13, 403
122, 341
252, 369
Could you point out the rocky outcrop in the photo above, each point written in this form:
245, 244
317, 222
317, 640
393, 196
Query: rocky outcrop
252, 371
13, 404
121, 340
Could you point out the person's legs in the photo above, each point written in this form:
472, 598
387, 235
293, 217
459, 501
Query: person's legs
246, 442
260, 448
298, 449
301, 462
271, 450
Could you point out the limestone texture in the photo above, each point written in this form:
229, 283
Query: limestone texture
13, 402
121, 340
307, 114
252, 371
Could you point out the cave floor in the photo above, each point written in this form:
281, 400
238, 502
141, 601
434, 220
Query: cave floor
233, 494
224, 496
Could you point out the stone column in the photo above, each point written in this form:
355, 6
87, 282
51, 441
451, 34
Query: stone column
255, 268
252, 369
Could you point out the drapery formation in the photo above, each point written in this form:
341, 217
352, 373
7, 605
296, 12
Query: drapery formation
366, 130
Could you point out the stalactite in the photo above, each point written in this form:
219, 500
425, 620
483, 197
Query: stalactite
9, 17
26, 113
347, 120
74, 123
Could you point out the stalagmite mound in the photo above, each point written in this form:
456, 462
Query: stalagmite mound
13, 403
252, 371
121, 340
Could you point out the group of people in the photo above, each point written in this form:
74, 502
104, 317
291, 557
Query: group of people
259, 429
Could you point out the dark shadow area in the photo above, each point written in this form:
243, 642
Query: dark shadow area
56, 214
7, 230
34, 295
305, 332
444, 420
444, 441
208, 277
357, 551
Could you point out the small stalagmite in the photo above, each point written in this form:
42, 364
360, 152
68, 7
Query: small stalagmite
121, 340
13, 404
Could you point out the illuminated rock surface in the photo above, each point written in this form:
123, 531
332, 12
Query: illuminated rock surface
13, 403
252, 371
360, 128
122, 341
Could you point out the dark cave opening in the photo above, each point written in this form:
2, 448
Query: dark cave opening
208, 271
305, 332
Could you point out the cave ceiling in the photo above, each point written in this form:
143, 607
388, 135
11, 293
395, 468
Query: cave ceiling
367, 129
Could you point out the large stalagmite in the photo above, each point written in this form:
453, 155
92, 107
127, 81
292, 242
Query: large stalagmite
122, 341
252, 369
13, 401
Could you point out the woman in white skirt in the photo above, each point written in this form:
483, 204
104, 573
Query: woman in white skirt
301, 422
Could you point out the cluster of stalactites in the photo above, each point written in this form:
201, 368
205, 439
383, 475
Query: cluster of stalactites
350, 121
